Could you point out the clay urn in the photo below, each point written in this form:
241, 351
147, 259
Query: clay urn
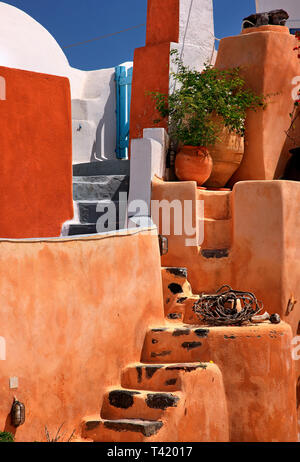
227, 155
193, 163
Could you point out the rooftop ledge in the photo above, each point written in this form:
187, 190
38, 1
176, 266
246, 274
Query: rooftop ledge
86, 237
268, 28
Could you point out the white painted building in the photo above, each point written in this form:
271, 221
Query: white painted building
26, 44
291, 6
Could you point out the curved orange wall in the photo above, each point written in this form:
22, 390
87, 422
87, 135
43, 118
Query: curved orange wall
74, 312
36, 155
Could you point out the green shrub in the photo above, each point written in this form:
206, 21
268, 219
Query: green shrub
6, 437
203, 102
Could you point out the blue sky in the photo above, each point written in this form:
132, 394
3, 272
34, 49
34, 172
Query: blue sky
72, 21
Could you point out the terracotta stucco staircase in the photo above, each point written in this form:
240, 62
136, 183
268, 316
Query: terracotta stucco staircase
163, 400
177, 392
217, 220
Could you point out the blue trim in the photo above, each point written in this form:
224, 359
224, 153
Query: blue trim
123, 80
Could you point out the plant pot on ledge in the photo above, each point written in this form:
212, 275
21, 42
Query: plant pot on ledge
209, 109
227, 155
193, 163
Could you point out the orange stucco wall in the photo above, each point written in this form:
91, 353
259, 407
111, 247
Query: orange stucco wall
264, 254
151, 66
74, 312
36, 155
162, 21
258, 373
150, 74
268, 64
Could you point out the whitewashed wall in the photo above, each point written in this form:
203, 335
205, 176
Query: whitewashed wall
196, 35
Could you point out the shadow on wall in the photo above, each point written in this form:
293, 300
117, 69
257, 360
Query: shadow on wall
94, 118
103, 147
292, 141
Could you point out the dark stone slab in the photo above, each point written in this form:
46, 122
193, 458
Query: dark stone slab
274, 18
215, 253
186, 368
151, 370
99, 188
174, 316
180, 332
175, 288
147, 428
202, 332
84, 229
191, 345
161, 400
123, 399
107, 167
180, 272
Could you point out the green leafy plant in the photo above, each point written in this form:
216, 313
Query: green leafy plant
202, 103
6, 437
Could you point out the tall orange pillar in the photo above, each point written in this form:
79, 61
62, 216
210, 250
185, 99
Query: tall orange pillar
152, 64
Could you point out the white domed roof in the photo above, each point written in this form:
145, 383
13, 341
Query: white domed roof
25, 44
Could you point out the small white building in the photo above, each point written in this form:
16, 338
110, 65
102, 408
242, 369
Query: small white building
26, 44
291, 6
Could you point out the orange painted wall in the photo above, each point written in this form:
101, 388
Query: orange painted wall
264, 256
162, 21
151, 67
74, 312
36, 155
268, 64
150, 74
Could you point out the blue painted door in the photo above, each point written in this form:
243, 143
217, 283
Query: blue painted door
123, 87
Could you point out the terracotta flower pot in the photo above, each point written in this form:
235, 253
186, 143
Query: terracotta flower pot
227, 155
193, 163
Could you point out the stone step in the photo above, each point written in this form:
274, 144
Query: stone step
180, 344
135, 404
196, 413
106, 167
157, 377
217, 204
88, 213
96, 188
177, 292
121, 430
217, 233
254, 355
